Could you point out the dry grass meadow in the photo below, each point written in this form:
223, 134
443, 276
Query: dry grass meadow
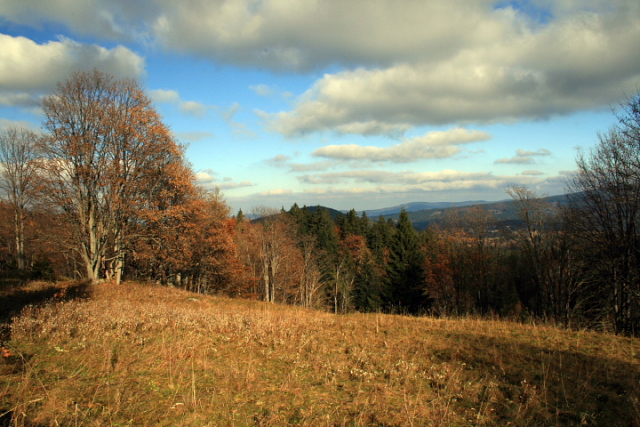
142, 355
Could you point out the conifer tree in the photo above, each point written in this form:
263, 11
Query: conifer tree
405, 269
240, 217
368, 291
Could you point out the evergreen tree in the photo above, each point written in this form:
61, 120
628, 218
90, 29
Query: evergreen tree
405, 269
378, 239
301, 217
240, 217
323, 227
364, 223
351, 224
368, 291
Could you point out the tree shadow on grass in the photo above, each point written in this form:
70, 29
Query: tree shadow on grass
17, 294
576, 386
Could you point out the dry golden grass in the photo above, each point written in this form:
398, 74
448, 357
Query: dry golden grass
139, 355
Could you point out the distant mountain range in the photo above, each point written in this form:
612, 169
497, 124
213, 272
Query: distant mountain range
420, 206
505, 211
423, 214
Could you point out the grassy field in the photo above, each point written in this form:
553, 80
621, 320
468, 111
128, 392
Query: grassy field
137, 355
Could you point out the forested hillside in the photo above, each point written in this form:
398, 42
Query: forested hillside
105, 194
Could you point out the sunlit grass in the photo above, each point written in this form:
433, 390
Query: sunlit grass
146, 355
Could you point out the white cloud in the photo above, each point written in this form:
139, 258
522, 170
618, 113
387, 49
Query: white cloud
276, 192
170, 96
207, 179
279, 161
230, 185
372, 127
529, 153
390, 180
30, 69
532, 173
195, 136
366, 189
313, 166
374, 189
262, 90
425, 63
6, 123
518, 160
165, 96
433, 145
193, 108
523, 157
228, 115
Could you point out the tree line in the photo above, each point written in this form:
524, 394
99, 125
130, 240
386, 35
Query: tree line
105, 194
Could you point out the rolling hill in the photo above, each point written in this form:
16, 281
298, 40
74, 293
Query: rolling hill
142, 355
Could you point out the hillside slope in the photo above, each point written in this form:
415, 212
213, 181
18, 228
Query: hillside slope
144, 355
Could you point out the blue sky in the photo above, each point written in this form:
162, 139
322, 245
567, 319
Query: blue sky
348, 104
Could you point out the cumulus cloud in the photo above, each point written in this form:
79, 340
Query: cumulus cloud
433, 145
206, 176
30, 69
165, 96
207, 179
370, 128
111, 19
577, 60
425, 63
168, 96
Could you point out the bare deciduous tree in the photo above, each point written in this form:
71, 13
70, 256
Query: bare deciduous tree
605, 213
18, 156
550, 258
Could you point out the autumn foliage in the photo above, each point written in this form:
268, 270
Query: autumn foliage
116, 195
106, 194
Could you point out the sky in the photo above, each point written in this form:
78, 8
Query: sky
350, 104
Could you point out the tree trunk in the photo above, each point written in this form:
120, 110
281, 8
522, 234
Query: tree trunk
19, 228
